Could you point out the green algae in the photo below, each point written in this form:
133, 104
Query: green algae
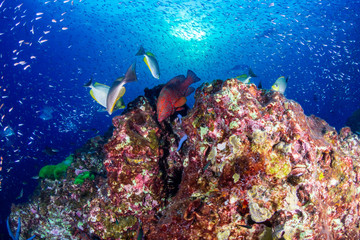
212, 155
278, 165
116, 227
223, 235
203, 132
260, 205
139, 141
56, 172
260, 143
236, 177
235, 142
234, 125
84, 175
153, 140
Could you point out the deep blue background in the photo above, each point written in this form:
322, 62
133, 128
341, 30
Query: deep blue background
316, 43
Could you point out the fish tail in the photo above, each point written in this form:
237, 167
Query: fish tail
130, 75
251, 73
89, 83
191, 77
141, 51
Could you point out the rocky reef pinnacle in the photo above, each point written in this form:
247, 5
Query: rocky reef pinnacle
253, 166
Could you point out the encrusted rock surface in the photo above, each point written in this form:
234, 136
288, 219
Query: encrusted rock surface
253, 167
62, 209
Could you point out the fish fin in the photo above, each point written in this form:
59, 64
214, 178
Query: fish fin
113, 94
130, 75
247, 80
179, 109
180, 102
184, 84
113, 107
111, 110
176, 81
140, 52
192, 76
88, 84
189, 91
100, 84
242, 76
259, 85
119, 104
119, 79
122, 92
251, 73
92, 94
287, 79
149, 54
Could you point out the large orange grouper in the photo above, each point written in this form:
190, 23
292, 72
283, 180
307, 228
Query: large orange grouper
173, 95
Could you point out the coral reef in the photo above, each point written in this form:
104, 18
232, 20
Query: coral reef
253, 166
59, 208
354, 122
16, 237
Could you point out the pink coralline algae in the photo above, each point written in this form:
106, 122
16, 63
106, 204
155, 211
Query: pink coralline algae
253, 167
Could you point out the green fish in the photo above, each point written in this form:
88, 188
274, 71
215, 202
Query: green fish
117, 89
100, 91
280, 84
150, 61
245, 78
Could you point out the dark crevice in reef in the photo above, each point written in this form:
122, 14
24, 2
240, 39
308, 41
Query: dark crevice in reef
171, 177
163, 165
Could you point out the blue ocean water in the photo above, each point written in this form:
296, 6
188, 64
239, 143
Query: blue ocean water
50, 49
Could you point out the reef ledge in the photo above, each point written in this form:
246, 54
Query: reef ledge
254, 166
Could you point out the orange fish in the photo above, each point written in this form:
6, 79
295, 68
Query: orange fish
173, 95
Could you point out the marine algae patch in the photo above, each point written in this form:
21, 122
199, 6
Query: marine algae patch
278, 165
261, 209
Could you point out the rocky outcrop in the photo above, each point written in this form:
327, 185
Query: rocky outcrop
254, 166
